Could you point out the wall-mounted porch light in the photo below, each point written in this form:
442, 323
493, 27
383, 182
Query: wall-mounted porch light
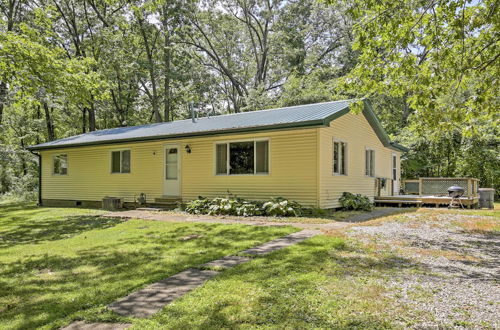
187, 148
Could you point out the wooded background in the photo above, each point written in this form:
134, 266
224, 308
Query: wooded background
430, 67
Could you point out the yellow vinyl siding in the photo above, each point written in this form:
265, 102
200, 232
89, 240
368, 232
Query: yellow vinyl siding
359, 135
293, 170
90, 178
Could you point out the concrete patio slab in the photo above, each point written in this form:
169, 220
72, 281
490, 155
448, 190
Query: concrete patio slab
151, 299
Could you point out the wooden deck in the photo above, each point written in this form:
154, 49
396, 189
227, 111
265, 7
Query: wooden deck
418, 200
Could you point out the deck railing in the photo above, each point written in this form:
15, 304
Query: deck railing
439, 186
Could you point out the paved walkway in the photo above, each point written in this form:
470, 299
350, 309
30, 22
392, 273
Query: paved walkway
151, 299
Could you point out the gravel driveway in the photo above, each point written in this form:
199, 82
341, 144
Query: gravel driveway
455, 281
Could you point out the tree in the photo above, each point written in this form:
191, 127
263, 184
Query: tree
439, 57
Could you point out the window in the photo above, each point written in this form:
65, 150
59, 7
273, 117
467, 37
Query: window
120, 161
339, 157
60, 164
394, 167
370, 162
246, 157
171, 164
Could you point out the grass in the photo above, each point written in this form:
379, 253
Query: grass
480, 225
481, 221
62, 264
324, 282
59, 265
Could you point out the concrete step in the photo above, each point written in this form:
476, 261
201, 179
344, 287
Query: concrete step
166, 199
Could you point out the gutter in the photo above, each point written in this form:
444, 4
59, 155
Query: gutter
39, 176
399, 147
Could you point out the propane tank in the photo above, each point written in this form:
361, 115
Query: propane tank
141, 199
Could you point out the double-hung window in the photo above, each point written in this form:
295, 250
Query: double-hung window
120, 161
242, 157
370, 162
339, 157
60, 164
394, 167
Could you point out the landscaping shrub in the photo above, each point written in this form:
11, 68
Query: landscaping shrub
355, 202
198, 206
282, 207
240, 207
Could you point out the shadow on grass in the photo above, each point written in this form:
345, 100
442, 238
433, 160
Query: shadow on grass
285, 289
51, 229
46, 289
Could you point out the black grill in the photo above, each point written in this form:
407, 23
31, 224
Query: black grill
456, 191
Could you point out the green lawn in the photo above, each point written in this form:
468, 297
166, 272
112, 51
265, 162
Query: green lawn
324, 282
60, 264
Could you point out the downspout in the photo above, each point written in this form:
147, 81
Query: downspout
39, 177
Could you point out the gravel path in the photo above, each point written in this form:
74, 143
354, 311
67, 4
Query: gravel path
458, 282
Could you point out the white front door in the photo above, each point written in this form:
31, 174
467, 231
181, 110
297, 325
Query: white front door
171, 186
395, 180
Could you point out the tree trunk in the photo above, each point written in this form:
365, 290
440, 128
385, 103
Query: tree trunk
51, 132
38, 116
84, 120
166, 59
23, 161
151, 69
91, 112
3, 98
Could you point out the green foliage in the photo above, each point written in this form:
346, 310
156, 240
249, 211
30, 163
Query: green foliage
440, 57
351, 201
240, 207
282, 207
70, 260
430, 69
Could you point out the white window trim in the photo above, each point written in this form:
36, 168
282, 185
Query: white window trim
67, 164
111, 161
374, 162
255, 140
340, 155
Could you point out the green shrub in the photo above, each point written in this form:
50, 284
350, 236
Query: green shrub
355, 202
240, 207
198, 206
248, 209
282, 208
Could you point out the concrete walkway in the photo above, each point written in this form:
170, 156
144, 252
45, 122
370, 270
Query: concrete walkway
153, 298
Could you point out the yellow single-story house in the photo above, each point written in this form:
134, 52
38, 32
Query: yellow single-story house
309, 153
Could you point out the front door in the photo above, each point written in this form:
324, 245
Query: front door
395, 181
172, 171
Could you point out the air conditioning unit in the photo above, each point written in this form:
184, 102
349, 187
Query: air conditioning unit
112, 203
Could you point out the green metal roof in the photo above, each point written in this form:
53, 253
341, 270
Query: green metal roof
318, 114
